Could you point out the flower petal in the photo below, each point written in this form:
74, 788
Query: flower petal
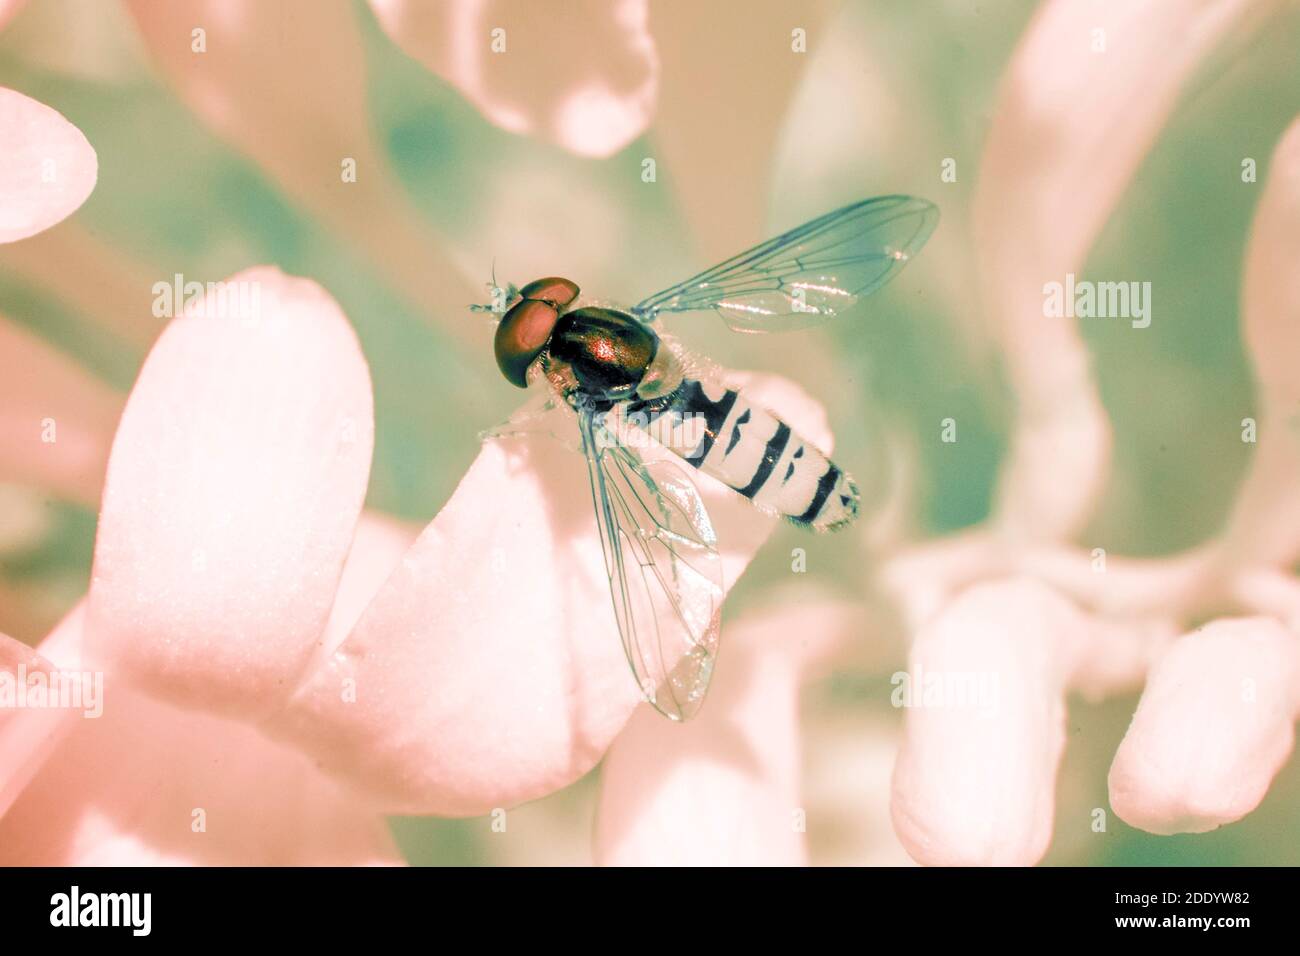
377, 549
1265, 524
47, 168
529, 78
148, 783
233, 490
1215, 724
1067, 136
27, 735
1271, 293
724, 789
8, 8
488, 670
975, 778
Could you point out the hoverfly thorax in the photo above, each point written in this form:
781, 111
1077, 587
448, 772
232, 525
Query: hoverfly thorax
604, 352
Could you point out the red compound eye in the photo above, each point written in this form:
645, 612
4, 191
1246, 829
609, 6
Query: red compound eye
553, 289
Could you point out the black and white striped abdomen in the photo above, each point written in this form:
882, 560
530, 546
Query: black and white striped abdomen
723, 434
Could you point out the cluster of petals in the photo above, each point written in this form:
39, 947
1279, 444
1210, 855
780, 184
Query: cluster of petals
1018, 602
283, 667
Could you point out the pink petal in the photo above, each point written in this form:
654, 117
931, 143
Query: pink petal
8, 8
582, 74
233, 490
975, 778
1271, 297
488, 670
1215, 724
724, 789
1265, 524
47, 168
130, 787
1067, 136
26, 735
377, 549
56, 419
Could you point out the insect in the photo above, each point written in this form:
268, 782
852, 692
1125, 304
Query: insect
632, 387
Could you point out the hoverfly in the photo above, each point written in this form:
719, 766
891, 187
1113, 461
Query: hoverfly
625, 382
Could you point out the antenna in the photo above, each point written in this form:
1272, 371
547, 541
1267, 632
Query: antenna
501, 298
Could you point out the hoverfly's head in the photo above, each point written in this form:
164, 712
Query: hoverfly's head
526, 327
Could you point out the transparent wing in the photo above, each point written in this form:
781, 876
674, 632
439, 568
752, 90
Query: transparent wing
808, 274
665, 575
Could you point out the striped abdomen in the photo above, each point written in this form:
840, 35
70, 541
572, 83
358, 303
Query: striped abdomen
720, 432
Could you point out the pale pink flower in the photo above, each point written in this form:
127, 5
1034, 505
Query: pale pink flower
236, 479
1066, 139
975, 775
476, 669
153, 784
1216, 723
1013, 600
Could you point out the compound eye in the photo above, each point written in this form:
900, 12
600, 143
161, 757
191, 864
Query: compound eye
521, 337
554, 289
